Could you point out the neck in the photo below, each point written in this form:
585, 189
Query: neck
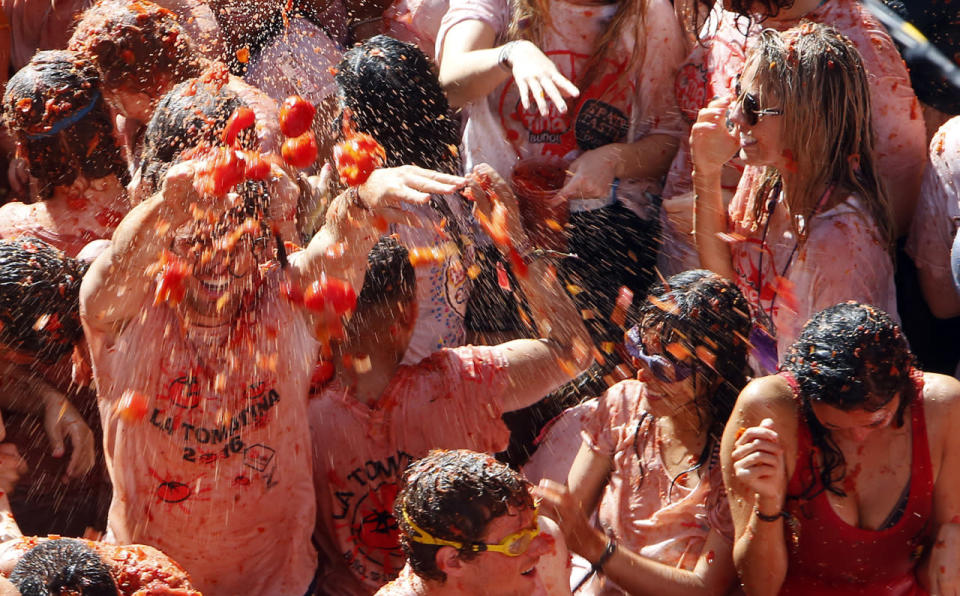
799, 9
368, 385
686, 427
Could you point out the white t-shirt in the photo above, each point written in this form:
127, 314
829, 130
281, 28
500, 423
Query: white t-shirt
614, 108
217, 473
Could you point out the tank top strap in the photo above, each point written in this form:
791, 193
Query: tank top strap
922, 472
803, 472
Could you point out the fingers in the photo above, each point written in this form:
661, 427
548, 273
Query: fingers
536, 91
564, 84
550, 88
83, 456
523, 89
55, 435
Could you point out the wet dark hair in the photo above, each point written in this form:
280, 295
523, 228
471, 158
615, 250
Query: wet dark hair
39, 298
706, 316
454, 495
393, 93
54, 110
390, 280
62, 564
136, 45
850, 356
190, 115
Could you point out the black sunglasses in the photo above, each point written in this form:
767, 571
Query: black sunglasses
750, 106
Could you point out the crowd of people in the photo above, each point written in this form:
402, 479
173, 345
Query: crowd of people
474, 297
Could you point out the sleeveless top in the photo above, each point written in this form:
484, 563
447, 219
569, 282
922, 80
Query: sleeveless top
829, 556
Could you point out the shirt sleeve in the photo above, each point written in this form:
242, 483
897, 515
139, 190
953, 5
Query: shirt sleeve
456, 400
605, 428
494, 13
933, 229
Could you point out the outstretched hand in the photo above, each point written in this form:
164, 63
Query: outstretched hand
387, 189
61, 420
537, 78
560, 505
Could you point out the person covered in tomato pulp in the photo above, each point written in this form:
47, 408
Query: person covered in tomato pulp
203, 348
841, 469
469, 525
374, 415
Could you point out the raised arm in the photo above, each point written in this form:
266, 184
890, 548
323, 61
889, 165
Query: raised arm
536, 366
758, 452
711, 146
471, 67
571, 508
117, 282
356, 219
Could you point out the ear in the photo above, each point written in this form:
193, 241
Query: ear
448, 561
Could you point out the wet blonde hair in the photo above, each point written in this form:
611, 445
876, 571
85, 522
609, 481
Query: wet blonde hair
816, 77
530, 18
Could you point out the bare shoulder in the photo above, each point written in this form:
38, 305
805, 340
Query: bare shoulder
766, 397
941, 403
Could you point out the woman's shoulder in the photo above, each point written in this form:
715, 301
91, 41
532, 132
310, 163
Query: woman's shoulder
771, 396
941, 396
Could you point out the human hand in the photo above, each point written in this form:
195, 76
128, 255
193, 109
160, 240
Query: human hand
387, 189
679, 210
61, 419
537, 77
758, 463
591, 175
485, 182
12, 466
943, 571
18, 177
711, 142
559, 504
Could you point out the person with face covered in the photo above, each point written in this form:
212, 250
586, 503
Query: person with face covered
203, 369
55, 111
841, 470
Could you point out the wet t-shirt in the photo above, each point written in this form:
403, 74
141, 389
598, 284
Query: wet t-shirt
649, 513
443, 286
617, 106
451, 400
938, 210
842, 259
217, 472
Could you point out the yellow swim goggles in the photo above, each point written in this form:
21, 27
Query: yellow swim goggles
513, 545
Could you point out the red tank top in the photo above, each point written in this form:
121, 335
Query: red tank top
829, 556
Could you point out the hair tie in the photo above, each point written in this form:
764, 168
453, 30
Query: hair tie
67, 122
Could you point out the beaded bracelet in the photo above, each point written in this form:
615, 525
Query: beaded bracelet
770, 518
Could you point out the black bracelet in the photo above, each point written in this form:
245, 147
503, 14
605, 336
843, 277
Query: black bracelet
770, 518
607, 553
503, 58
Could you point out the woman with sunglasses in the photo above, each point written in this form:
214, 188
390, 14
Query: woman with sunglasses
841, 469
810, 223
649, 462
733, 28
